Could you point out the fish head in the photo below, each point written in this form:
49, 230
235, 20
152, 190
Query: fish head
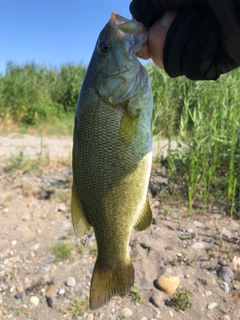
115, 60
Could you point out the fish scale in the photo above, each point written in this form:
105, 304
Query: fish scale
112, 156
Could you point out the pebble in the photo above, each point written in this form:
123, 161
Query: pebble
14, 242
19, 295
168, 285
156, 299
235, 263
45, 267
211, 305
61, 291
52, 291
197, 224
70, 282
90, 317
145, 244
226, 274
223, 262
208, 293
64, 226
127, 312
224, 317
52, 302
198, 245
144, 318
35, 301
51, 258
224, 286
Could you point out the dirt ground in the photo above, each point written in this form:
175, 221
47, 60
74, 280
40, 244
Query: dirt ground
201, 251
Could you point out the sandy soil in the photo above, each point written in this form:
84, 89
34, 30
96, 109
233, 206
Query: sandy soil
35, 217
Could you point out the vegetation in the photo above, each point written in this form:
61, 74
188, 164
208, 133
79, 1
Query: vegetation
62, 251
202, 116
79, 307
182, 299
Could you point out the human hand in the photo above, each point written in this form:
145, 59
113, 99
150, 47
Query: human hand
156, 40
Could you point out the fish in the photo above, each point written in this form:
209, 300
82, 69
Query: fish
112, 155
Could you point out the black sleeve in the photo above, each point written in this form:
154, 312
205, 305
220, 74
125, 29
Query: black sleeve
203, 41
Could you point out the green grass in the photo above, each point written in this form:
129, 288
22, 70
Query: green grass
204, 116
79, 307
62, 251
182, 299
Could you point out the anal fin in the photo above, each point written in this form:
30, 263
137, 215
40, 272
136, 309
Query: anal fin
145, 218
80, 223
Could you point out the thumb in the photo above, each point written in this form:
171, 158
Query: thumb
157, 37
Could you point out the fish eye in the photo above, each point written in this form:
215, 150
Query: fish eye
105, 46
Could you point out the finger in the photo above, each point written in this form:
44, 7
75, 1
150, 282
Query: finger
144, 52
157, 37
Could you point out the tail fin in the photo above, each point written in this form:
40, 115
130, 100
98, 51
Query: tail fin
107, 283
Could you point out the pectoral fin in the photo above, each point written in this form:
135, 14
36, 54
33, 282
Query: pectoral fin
80, 224
145, 218
128, 127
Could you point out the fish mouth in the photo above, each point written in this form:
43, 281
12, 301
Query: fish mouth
127, 26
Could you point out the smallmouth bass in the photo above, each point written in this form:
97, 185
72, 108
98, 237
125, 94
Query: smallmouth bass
112, 155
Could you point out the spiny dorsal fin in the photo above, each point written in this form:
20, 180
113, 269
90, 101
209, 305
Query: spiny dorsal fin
145, 218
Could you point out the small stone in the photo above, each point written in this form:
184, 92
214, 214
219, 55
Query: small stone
223, 262
156, 299
64, 226
27, 310
226, 274
90, 317
187, 276
127, 312
168, 285
45, 267
61, 291
208, 293
224, 286
62, 207
235, 264
27, 282
211, 305
198, 245
190, 230
51, 258
19, 295
144, 318
26, 217
52, 302
5, 210
70, 282
197, 224
52, 291
35, 301
145, 244
14, 242
225, 317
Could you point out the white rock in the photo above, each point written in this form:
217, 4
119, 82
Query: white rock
198, 245
14, 242
211, 305
35, 301
70, 282
127, 312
